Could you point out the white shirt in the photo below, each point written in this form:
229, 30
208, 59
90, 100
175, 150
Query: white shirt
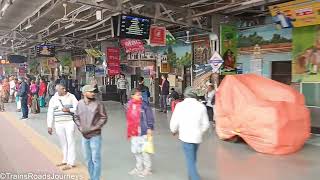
12, 86
209, 98
56, 104
191, 120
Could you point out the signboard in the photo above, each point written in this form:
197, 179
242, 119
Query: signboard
134, 27
157, 36
90, 68
100, 71
113, 61
165, 68
94, 53
132, 45
45, 50
216, 62
296, 13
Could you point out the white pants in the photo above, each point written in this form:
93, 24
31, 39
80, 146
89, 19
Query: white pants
143, 159
66, 133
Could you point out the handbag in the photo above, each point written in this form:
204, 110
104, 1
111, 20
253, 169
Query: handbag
149, 146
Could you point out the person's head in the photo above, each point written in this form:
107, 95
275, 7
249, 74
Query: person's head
136, 94
41, 81
88, 92
20, 80
61, 89
172, 89
164, 77
210, 87
141, 80
190, 93
33, 82
122, 76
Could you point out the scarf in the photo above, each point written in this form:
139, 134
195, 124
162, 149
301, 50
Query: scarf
133, 117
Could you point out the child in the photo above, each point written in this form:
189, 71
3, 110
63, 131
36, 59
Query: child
2, 96
140, 124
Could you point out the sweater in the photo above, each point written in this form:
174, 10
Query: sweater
56, 104
191, 120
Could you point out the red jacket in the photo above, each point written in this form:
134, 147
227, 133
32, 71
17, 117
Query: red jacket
133, 118
42, 89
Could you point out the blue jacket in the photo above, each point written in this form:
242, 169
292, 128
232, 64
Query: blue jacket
24, 90
147, 118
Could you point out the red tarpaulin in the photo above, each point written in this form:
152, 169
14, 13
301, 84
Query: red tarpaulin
270, 116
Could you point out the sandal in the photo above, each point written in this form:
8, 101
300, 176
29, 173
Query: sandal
61, 164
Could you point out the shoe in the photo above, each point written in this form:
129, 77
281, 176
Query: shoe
134, 172
24, 119
68, 167
145, 173
61, 164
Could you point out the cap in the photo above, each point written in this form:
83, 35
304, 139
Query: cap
190, 93
88, 88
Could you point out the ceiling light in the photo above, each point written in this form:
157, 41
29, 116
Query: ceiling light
99, 15
28, 26
69, 26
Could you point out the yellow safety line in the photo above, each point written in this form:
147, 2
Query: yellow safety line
50, 150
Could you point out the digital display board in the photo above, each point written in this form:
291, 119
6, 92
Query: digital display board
134, 27
45, 50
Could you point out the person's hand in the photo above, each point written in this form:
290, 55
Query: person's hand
50, 131
174, 133
66, 110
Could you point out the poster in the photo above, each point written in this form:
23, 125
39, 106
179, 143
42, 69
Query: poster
100, 71
157, 36
113, 61
132, 45
172, 80
306, 54
296, 13
216, 62
229, 43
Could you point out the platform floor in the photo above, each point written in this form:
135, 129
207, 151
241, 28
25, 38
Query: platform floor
26, 147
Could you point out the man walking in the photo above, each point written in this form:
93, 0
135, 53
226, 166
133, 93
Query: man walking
90, 117
60, 111
164, 87
122, 85
190, 120
23, 94
145, 93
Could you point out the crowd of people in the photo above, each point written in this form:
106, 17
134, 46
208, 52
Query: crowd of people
67, 111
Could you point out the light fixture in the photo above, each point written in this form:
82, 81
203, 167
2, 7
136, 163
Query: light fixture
69, 26
99, 15
28, 26
5, 7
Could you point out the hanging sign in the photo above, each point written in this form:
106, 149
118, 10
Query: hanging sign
216, 62
157, 36
113, 61
132, 45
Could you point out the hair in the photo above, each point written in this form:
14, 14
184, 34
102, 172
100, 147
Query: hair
141, 79
172, 89
165, 76
134, 91
122, 75
61, 85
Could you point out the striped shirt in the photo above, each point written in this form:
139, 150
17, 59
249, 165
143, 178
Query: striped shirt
122, 83
56, 104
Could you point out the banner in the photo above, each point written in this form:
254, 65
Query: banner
229, 42
296, 13
94, 52
113, 61
132, 45
157, 36
100, 71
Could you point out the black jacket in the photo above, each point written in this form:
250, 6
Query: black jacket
24, 90
165, 88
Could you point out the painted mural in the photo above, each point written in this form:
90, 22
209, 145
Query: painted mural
264, 45
306, 54
229, 41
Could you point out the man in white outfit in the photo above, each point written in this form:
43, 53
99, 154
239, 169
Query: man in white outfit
60, 111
